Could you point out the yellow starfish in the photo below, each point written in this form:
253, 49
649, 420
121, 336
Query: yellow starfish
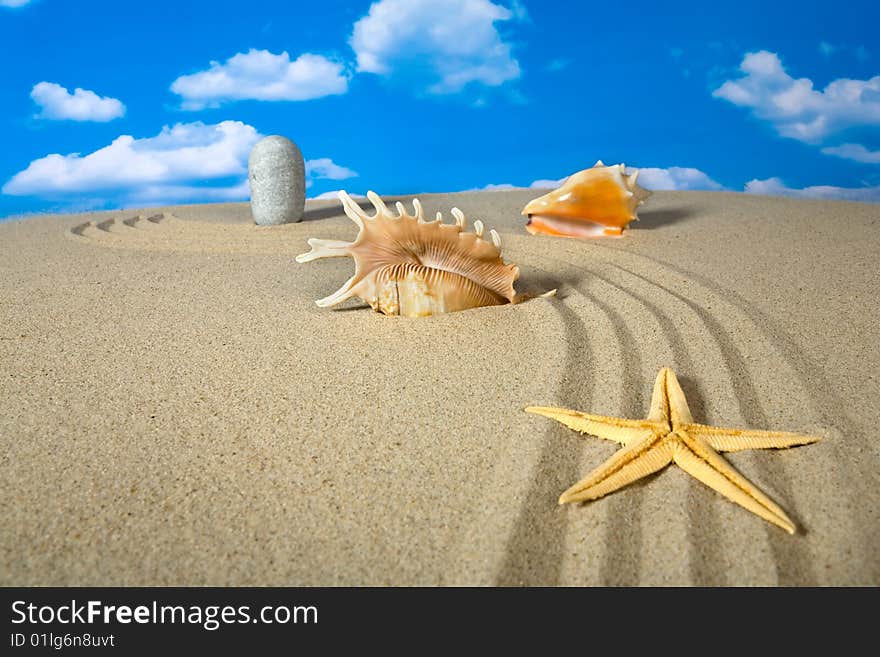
668, 435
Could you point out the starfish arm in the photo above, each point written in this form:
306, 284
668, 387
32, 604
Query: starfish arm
625, 466
723, 439
698, 459
668, 403
618, 429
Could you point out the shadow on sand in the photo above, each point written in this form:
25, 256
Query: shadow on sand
334, 210
649, 219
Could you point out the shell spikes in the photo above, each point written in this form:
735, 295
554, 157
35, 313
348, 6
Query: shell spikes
407, 266
596, 202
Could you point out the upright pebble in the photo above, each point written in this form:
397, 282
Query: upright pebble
276, 172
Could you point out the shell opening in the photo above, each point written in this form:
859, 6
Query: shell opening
561, 227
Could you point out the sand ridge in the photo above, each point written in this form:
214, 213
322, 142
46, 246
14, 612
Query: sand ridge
176, 410
165, 232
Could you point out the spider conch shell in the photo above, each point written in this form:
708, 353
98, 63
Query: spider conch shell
595, 202
404, 265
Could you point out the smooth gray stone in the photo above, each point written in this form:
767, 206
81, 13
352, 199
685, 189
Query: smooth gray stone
278, 181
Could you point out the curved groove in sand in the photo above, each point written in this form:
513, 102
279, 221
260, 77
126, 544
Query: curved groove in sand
165, 232
662, 302
788, 558
681, 326
623, 529
623, 541
535, 547
812, 385
144, 223
627, 313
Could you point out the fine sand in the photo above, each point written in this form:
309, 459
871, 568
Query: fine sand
176, 410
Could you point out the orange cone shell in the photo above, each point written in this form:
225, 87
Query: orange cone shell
595, 202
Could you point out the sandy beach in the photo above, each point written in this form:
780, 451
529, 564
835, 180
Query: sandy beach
176, 410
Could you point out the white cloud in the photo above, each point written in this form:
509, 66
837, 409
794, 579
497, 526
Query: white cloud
855, 152
519, 11
492, 187
775, 187
672, 178
185, 152
545, 183
324, 167
169, 194
56, 102
794, 107
826, 48
454, 41
676, 178
334, 194
689, 179
191, 162
261, 75
13, 3
179, 164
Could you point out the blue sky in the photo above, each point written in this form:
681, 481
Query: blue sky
130, 104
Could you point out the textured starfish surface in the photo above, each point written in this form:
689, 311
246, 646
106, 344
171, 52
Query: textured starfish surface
670, 435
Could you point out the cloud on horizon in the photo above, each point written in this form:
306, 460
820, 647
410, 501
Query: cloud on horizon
676, 178
57, 103
500, 187
154, 167
261, 75
325, 168
855, 152
669, 179
454, 42
690, 179
794, 108
192, 162
775, 187
334, 195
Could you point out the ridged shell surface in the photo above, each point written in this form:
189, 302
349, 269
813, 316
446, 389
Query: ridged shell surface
407, 266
